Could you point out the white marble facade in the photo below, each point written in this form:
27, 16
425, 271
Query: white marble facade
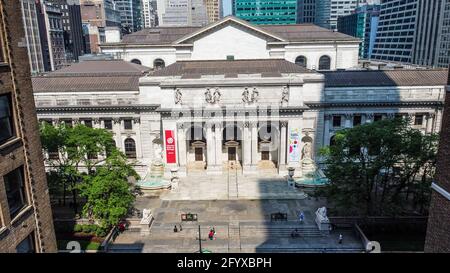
231, 120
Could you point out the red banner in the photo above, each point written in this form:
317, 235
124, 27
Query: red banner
171, 155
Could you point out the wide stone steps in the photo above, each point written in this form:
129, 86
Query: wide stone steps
281, 232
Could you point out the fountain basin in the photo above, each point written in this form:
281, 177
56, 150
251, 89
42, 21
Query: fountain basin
153, 184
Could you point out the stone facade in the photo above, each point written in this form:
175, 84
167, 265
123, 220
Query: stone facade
438, 232
237, 39
32, 220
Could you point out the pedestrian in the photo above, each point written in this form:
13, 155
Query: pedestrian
175, 229
181, 228
340, 238
211, 234
301, 217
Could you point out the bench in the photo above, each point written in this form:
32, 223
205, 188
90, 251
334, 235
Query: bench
279, 216
188, 217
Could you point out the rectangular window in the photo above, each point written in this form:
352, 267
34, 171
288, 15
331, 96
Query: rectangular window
15, 191
336, 121
356, 120
27, 245
88, 123
6, 119
418, 120
108, 124
128, 124
377, 117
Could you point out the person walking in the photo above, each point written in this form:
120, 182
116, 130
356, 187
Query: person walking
301, 217
211, 234
175, 229
340, 238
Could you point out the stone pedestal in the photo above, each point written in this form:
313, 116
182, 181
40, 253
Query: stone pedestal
322, 221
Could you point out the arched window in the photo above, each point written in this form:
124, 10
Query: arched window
324, 63
333, 141
159, 64
136, 61
301, 61
130, 148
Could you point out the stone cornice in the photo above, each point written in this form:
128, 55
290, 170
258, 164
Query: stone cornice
251, 110
105, 108
375, 104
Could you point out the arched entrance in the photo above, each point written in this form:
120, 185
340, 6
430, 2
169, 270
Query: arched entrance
196, 148
268, 136
232, 147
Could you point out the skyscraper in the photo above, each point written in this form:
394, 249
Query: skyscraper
328, 11
26, 223
414, 32
72, 27
149, 13
267, 11
182, 13
438, 231
213, 9
306, 11
130, 14
32, 35
362, 24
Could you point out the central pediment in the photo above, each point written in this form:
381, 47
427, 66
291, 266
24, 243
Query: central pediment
239, 24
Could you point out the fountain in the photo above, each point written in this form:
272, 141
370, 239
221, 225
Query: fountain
154, 179
312, 176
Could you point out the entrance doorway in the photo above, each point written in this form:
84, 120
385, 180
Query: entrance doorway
265, 155
198, 154
231, 153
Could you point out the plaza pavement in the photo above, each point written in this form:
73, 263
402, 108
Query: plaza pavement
241, 226
232, 186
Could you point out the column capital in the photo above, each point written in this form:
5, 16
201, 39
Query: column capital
180, 125
76, 121
283, 124
246, 124
431, 115
96, 120
390, 115
116, 120
328, 116
254, 124
369, 115
136, 119
348, 115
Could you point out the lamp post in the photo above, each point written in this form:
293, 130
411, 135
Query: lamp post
290, 180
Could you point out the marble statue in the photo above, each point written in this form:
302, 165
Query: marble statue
246, 95
217, 95
146, 217
285, 95
306, 153
255, 95
158, 154
322, 213
178, 96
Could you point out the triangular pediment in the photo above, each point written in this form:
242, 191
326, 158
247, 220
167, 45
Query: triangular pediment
227, 21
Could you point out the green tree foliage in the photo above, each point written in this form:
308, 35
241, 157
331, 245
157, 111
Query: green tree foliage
109, 195
89, 165
380, 168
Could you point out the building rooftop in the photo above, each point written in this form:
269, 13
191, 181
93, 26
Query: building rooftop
230, 69
400, 77
101, 75
290, 33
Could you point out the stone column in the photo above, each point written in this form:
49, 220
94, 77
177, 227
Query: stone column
255, 159
218, 147
326, 133
411, 118
348, 120
282, 149
210, 147
116, 130
430, 120
246, 147
182, 149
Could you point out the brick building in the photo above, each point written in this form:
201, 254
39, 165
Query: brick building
438, 232
25, 215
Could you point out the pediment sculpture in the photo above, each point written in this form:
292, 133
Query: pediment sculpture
178, 96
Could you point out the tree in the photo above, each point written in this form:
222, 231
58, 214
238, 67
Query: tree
109, 195
375, 167
76, 150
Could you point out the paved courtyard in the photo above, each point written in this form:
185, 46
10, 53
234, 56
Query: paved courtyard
241, 226
233, 186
